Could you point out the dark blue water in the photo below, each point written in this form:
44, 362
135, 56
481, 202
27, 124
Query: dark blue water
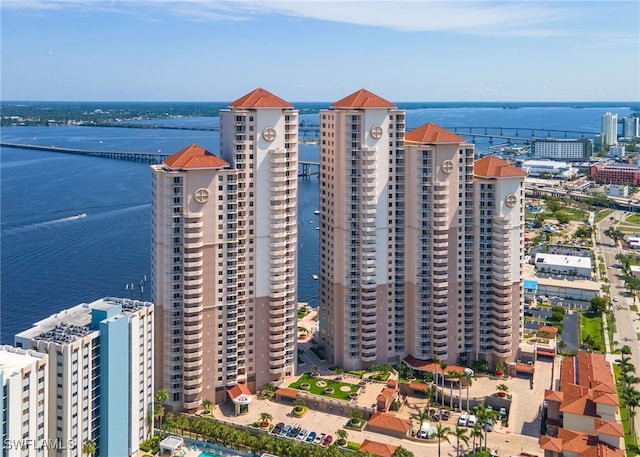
74, 229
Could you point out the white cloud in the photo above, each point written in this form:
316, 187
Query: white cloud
474, 17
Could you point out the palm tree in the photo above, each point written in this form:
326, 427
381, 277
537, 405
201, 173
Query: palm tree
632, 401
265, 417
161, 396
458, 377
436, 363
476, 432
422, 416
158, 413
342, 436
207, 404
443, 365
89, 447
460, 434
468, 378
442, 433
484, 415
356, 417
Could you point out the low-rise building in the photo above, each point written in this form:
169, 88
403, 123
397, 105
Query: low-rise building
549, 169
617, 190
566, 265
608, 173
583, 416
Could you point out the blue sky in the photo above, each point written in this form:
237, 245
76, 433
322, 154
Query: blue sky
209, 50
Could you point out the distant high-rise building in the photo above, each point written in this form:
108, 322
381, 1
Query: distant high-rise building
25, 392
631, 127
580, 149
100, 373
401, 219
224, 255
609, 129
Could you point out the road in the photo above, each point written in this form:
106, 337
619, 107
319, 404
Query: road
627, 321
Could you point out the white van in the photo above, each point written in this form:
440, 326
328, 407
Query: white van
463, 419
424, 430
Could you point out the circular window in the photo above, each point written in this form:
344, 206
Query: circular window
376, 132
201, 195
269, 134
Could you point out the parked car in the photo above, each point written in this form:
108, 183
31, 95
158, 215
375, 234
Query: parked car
445, 415
285, 430
310, 437
278, 428
301, 434
471, 421
494, 453
320, 438
294, 432
436, 416
327, 441
489, 425
463, 419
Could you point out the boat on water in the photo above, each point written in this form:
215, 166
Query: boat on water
316, 211
315, 277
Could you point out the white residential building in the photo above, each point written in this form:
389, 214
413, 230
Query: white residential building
100, 374
609, 129
631, 127
25, 395
575, 150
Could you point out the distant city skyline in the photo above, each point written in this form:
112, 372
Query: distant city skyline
208, 50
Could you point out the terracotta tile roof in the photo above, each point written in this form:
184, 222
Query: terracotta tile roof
363, 99
494, 167
423, 365
545, 351
553, 395
376, 448
194, 156
432, 133
387, 394
548, 329
583, 444
260, 98
549, 443
593, 369
389, 422
287, 392
392, 383
609, 428
525, 368
416, 385
237, 390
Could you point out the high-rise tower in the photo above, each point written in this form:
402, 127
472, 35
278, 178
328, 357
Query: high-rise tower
225, 255
400, 256
360, 139
609, 129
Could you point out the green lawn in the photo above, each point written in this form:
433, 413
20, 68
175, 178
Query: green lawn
633, 218
573, 214
317, 390
600, 215
591, 329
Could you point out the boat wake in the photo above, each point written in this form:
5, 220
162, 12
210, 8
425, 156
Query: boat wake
36, 225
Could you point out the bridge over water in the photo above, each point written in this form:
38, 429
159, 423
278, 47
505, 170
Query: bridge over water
305, 168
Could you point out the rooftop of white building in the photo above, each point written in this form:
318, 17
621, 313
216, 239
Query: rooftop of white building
13, 359
563, 260
70, 324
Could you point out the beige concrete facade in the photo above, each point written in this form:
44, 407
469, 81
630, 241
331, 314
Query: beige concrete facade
225, 255
420, 254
